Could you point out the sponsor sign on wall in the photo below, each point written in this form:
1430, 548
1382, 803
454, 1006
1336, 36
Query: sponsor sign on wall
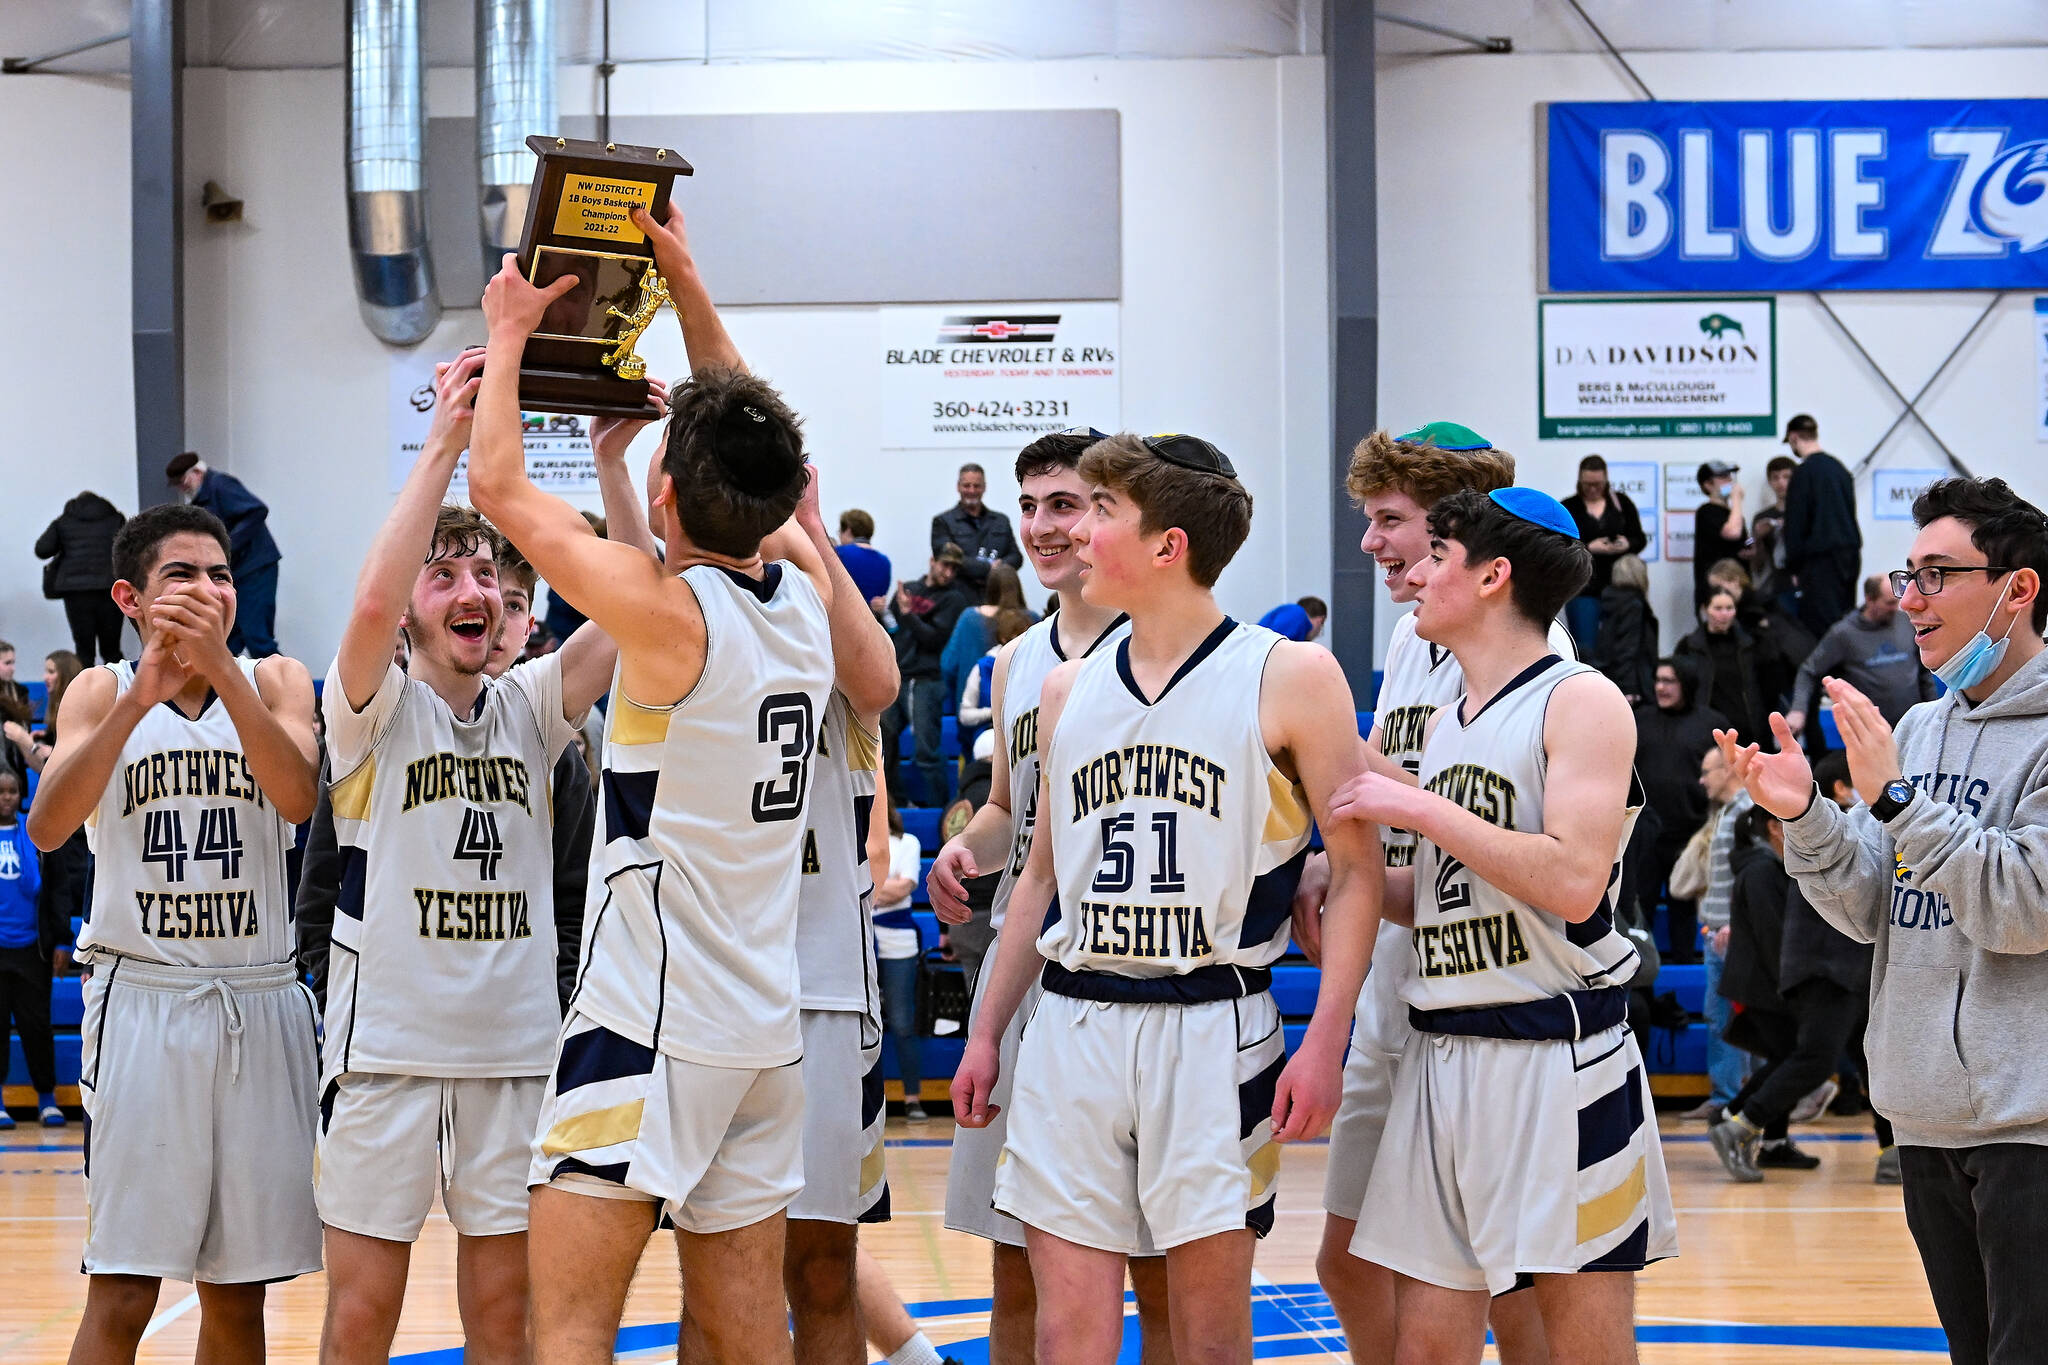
1638, 479
1796, 195
1892, 491
981, 375
1682, 497
558, 454
1634, 368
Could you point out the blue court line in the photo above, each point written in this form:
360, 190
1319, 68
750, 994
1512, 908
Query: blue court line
1293, 1319
1801, 1137
40, 1147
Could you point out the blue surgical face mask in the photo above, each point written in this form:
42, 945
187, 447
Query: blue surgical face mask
1980, 657
1727, 490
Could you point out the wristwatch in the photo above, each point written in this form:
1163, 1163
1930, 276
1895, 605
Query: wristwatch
1895, 797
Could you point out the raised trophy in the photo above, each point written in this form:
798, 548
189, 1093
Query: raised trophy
581, 358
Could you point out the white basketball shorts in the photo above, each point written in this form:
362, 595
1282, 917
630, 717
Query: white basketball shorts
1505, 1158
845, 1178
717, 1147
1378, 1035
971, 1177
1135, 1119
387, 1143
200, 1089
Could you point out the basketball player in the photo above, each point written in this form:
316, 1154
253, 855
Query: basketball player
1396, 480
676, 1090
442, 1009
188, 768
1150, 1082
845, 1181
1052, 496
1519, 1141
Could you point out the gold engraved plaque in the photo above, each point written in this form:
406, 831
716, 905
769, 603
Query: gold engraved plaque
600, 209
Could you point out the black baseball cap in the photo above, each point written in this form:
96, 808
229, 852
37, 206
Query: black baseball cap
1718, 469
1802, 424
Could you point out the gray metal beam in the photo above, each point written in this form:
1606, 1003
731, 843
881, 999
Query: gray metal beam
1354, 322
156, 227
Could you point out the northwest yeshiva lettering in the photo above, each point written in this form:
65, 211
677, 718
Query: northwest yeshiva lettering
1401, 729
1146, 931
187, 772
1024, 737
812, 865
1160, 772
479, 781
1464, 946
1480, 790
197, 914
472, 916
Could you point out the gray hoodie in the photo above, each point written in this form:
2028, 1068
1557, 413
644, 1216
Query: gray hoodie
1954, 893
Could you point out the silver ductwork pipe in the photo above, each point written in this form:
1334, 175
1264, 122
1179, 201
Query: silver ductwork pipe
515, 98
387, 201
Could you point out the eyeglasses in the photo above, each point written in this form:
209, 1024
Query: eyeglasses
1190, 452
1929, 580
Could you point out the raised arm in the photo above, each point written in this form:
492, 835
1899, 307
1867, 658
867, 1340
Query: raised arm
985, 844
406, 538
1305, 704
96, 725
863, 656
1017, 958
1589, 741
705, 340
625, 505
621, 587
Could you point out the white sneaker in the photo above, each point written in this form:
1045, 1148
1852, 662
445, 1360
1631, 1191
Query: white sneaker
53, 1117
1815, 1103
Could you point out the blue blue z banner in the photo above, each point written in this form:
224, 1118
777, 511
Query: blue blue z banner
1796, 195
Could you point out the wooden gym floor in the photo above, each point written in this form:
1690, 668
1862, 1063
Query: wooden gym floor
1806, 1268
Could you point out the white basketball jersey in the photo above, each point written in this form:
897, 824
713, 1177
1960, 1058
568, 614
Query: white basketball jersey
1169, 814
444, 931
1474, 944
1036, 653
190, 856
835, 932
689, 935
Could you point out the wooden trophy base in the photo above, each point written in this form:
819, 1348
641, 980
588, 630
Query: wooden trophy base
548, 389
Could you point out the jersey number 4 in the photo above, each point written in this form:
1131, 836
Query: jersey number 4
219, 841
478, 842
787, 723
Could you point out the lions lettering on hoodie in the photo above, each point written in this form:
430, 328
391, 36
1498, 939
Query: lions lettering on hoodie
1954, 893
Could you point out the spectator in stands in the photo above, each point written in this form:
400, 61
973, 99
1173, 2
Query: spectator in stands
1944, 871
899, 947
868, 567
1766, 553
1825, 977
982, 533
1301, 620
1778, 640
926, 610
977, 698
1611, 527
1674, 734
1823, 543
974, 631
1872, 649
17, 713
59, 668
1727, 1068
252, 554
10, 690
80, 546
1718, 530
1626, 646
28, 944
1728, 666
1764, 1026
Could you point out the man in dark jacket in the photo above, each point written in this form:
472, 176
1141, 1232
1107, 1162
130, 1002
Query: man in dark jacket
1673, 733
81, 542
1871, 648
982, 533
926, 610
252, 554
1823, 543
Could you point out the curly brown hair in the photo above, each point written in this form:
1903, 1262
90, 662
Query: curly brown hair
1381, 463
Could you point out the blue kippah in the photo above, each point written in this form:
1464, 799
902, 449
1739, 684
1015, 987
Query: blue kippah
1537, 507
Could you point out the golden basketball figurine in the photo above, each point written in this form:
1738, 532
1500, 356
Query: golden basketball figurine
653, 294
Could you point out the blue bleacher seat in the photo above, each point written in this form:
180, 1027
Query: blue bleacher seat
1829, 731
67, 1060
1688, 982
67, 1002
949, 740
1365, 725
923, 821
924, 870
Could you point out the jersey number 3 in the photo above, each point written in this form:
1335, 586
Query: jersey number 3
785, 721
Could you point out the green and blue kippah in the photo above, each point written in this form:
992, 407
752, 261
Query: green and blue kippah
1445, 436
